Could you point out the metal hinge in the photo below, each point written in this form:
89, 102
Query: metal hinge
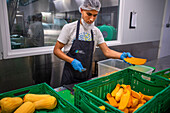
2, 55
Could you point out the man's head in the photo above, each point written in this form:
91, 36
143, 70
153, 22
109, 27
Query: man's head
89, 10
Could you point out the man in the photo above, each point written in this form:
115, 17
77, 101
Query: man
80, 38
36, 32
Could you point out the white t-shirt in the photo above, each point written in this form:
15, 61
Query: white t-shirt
68, 34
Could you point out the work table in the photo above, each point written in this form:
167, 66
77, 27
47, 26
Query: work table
160, 63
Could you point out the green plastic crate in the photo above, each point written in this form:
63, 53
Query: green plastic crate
91, 94
62, 105
164, 73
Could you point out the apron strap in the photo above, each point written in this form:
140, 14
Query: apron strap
92, 34
77, 32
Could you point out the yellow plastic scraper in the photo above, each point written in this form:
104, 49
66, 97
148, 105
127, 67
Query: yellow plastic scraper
136, 61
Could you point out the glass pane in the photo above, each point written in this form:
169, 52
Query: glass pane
37, 23
107, 22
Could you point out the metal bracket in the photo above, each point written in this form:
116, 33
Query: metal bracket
2, 55
168, 24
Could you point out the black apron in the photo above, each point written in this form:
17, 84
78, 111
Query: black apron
82, 51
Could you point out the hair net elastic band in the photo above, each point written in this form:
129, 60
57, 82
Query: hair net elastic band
82, 7
90, 5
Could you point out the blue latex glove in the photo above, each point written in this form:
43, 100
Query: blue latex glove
125, 55
77, 65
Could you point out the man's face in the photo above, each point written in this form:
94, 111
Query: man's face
89, 16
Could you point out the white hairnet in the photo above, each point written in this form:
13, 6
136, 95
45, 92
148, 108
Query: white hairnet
90, 5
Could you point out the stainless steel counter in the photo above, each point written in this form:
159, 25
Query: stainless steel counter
160, 63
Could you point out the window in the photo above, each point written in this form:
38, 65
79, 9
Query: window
30, 25
107, 22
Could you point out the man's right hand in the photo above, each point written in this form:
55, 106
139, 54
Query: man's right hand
77, 65
125, 55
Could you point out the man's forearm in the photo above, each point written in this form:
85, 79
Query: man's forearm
63, 56
112, 54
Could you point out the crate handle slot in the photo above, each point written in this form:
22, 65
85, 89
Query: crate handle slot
146, 78
106, 80
21, 93
62, 104
92, 107
167, 72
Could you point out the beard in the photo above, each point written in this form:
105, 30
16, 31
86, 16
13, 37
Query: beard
86, 25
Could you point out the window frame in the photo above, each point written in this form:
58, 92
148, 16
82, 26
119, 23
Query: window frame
16, 53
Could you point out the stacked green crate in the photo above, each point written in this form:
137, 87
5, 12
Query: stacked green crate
163, 73
109, 32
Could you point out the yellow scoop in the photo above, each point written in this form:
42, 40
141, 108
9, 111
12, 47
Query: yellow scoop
136, 61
